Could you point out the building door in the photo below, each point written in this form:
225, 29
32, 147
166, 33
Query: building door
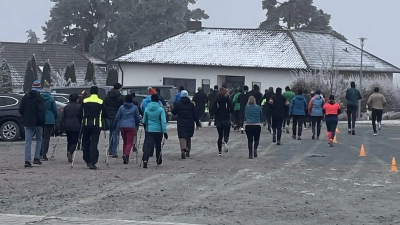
230, 81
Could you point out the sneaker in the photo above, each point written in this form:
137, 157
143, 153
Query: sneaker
349, 131
274, 139
44, 158
183, 154
313, 136
269, 130
241, 130
293, 136
225, 147
250, 156
92, 167
287, 129
375, 133
255, 154
331, 143
353, 132
87, 165
219, 153
278, 143
69, 156
305, 128
379, 125
299, 138
115, 156
209, 123
37, 162
28, 164
134, 149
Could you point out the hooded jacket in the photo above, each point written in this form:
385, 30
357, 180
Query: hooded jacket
146, 101
298, 106
257, 95
316, 105
71, 118
32, 109
352, 96
200, 99
51, 108
112, 102
154, 118
243, 99
277, 106
222, 107
187, 117
211, 96
127, 116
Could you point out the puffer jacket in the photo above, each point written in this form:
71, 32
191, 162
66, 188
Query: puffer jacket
32, 109
187, 117
112, 102
154, 118
298, 106
127, 116
253, 114
51, 108
315, 106
71, 118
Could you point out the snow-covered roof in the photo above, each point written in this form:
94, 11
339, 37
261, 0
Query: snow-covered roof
257, 48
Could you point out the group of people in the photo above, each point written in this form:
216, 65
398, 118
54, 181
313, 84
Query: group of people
83, 118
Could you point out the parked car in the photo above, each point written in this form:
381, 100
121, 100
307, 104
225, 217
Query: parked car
167, 108
103, 90
167, 91
11, 127
59, 97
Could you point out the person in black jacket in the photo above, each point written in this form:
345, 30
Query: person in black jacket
257, 94
92, 112
243, 99
32, 110
211, 96
187, 117
112, 102
200, 99
222, 109
72, 124
266, 111
278, 108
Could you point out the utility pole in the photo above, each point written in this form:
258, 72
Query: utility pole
362, 39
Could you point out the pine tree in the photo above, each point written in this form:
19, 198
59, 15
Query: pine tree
5, 78
28, 79
89, 77
67, 75
46, 75
34, 67
72, 73
112, 77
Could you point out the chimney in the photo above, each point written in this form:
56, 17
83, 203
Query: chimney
193, 26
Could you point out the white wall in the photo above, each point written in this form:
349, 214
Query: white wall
142, 74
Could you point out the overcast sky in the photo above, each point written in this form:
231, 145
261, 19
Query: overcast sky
352, 18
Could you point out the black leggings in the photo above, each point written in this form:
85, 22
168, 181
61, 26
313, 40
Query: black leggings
351, 116
223, 133
376, 116
316, 120
152, 139
331, 124
277, 123
72, 139
253, 134
298, 123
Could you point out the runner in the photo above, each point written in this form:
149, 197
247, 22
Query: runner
289, 95
254, 116
315, 110
278, 108
352, 97
211, 97
266, 108
200, 99
236, 108
243, 100
331, 111
297, 109
376, 102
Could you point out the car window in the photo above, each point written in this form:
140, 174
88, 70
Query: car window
6, 101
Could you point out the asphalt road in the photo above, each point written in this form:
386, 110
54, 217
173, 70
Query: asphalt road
285, 185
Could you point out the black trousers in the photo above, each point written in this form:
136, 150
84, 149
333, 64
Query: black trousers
72, 141
48, 128
242, 116
253, 135
331, 124
236, 116
152, 139
223, 129
298, 124
316, 121
277, 123
351, 116
200, 113
90, 141
376, 116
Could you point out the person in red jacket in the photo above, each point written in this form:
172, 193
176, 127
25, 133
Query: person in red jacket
331, 111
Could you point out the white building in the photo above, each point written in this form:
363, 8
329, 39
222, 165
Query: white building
203, 57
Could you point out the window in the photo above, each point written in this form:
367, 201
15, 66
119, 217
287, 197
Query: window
205, 84
188, 84
258, 83
7, 101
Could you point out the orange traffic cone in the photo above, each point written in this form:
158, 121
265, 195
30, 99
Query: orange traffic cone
394, 166
334, 139
362, 151
337, 130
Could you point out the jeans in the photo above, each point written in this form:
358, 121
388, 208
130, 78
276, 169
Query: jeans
90, 140
316, 120
253, 135
277, 126
72, 141
331, 124
223, 133
29, 131
48, 128
151, 139
128, 136
376, 116
351, 116
114, 137
298, 123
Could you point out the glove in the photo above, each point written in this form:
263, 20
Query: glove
166, 136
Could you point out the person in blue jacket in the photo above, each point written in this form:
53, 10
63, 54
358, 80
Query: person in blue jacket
154, 120
315, 110
178, 95
254, 115
298, 109
128, 119
51, 118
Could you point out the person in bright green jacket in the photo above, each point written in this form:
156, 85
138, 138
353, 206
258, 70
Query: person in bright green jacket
236, 108
289, 95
